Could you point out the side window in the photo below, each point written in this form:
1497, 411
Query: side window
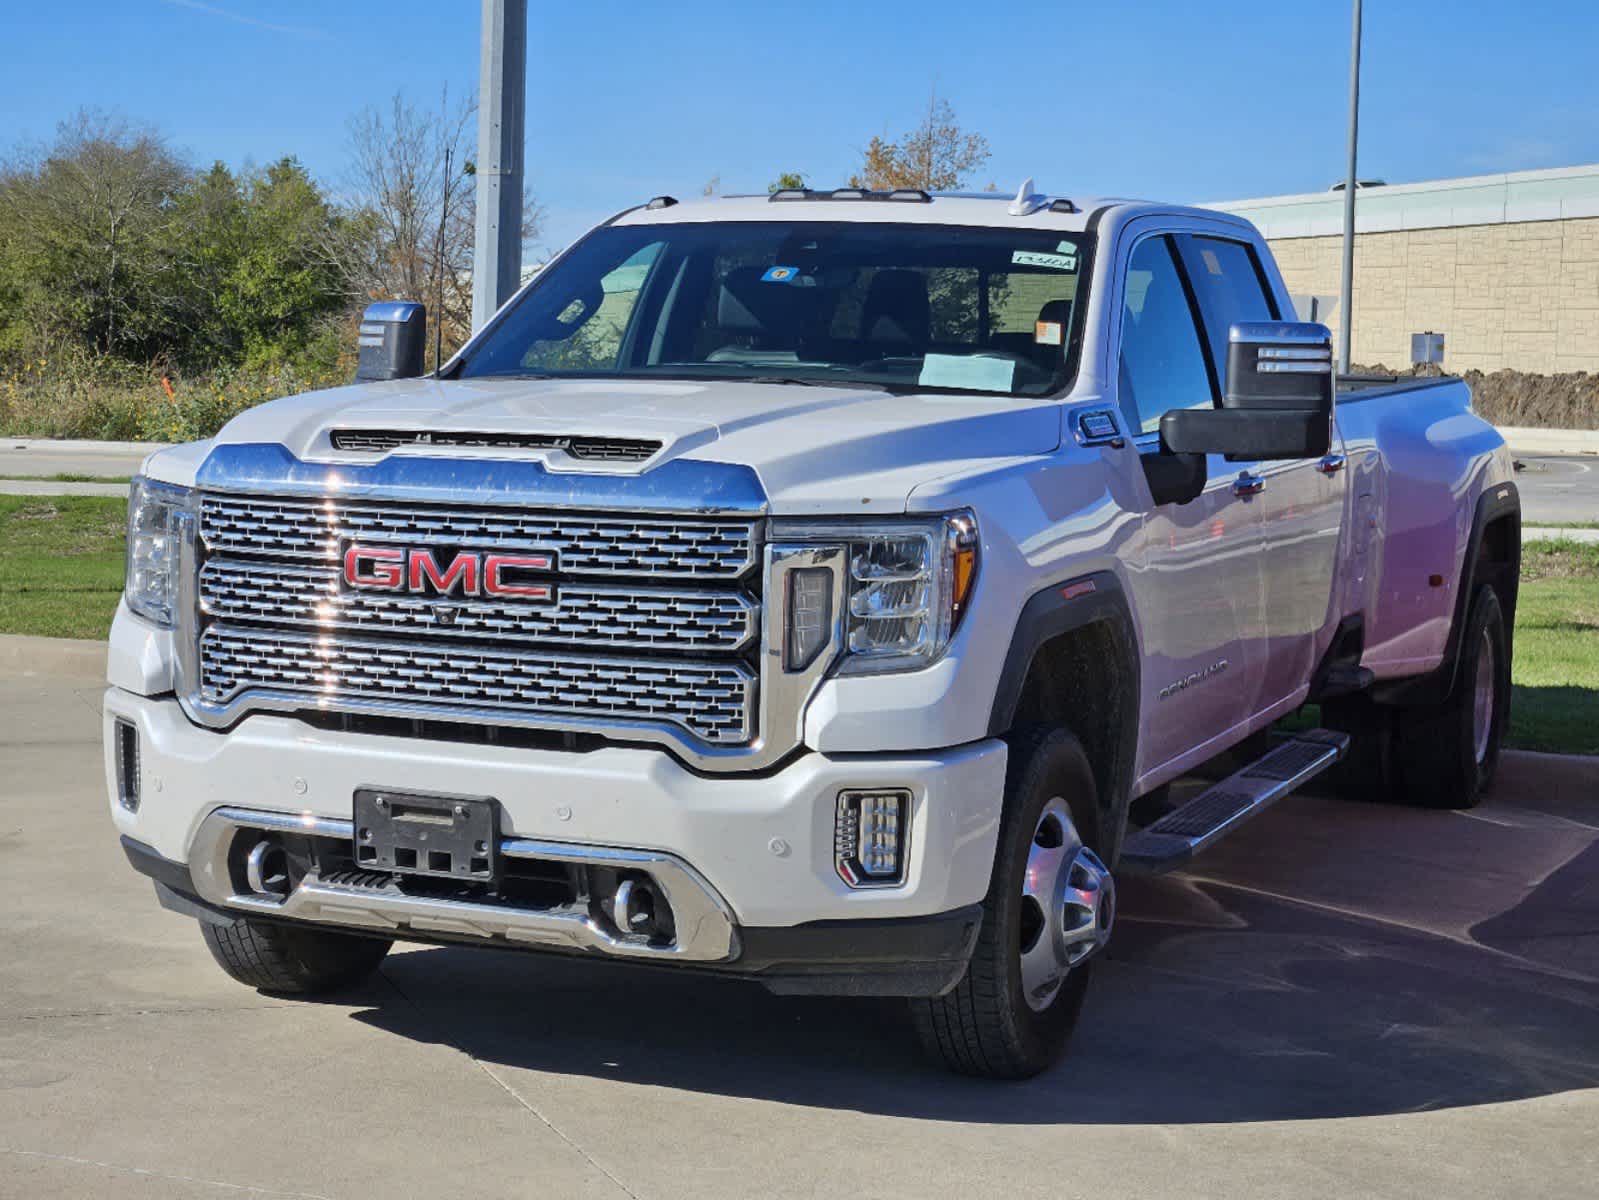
597, 323
1162, 360
1229, 287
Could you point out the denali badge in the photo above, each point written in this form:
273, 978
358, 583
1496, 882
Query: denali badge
1188, 681
418, 572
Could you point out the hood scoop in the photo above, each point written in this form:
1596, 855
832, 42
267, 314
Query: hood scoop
592, 449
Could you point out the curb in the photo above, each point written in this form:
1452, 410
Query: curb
51, 487
1551, 441
46, 655
1534, 533
81, 446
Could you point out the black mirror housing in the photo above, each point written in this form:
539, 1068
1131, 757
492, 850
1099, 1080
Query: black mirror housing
393, 341
1245, 435
1278, 402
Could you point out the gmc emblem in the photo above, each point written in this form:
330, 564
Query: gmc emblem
418, 572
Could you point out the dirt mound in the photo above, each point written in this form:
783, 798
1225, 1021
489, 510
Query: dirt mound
1569, 401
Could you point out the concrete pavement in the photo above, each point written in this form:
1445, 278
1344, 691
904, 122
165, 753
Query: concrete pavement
44, 457
1343, 999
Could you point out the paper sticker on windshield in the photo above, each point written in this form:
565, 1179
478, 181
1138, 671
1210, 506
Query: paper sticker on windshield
968, 372
1048, 333
780, 275
1051, 262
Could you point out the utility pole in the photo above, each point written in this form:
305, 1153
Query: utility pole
1346, 320
501, 122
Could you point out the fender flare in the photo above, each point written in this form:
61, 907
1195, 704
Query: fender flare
1063, 608
1502, 499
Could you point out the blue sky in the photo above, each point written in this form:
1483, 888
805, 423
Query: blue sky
1180, 100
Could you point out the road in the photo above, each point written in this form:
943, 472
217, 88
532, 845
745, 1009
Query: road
1558, 489
1555, 489
1344, 1000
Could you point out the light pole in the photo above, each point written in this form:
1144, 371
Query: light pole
502, 102
1347, 300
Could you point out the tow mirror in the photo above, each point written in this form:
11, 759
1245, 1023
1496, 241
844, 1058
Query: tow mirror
392, 341
1278, 402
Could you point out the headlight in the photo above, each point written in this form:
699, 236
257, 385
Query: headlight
153, 535
907, 585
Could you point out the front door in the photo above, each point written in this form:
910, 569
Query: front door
1197, 583
1300, 502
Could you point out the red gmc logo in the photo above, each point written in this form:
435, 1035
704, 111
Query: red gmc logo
402, 569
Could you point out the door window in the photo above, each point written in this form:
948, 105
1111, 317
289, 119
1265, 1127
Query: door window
1162, 359
1230, 288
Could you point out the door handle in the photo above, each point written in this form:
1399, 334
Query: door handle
1248, 485
1331, 464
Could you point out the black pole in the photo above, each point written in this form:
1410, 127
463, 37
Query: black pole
1346, 323
444, 216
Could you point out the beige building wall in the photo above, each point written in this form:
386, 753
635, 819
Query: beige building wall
1521, 295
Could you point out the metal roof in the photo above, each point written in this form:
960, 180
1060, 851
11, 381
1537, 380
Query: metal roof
1557, 194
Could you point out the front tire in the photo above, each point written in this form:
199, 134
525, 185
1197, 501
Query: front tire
290, 961
1049, 908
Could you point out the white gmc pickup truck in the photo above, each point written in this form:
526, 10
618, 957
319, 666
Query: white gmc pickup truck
818, 589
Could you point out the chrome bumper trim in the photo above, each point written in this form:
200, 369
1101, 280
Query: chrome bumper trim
706, 930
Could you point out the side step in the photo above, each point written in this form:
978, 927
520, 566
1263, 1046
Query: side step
1182, 833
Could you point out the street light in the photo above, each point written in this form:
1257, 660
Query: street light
1347, 301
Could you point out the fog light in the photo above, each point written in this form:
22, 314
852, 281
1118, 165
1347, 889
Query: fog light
125, 749
869, 837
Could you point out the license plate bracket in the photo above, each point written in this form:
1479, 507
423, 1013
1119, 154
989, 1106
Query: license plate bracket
411, 833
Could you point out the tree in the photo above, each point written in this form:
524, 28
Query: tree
787, 181
87, 225
256, 283
937, 156
411, 230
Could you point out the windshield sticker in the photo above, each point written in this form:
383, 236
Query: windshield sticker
969, 372
780, 275
1047, 333
1037, 258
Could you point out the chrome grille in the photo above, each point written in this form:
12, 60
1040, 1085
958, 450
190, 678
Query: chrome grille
583, 614
657, 547
653, 621
712, 700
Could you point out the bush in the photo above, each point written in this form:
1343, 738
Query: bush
77, 395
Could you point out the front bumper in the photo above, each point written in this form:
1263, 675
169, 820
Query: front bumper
906, 956
762, 845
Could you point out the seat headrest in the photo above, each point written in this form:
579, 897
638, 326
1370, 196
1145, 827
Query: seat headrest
748, 304
897, 309
1058, 311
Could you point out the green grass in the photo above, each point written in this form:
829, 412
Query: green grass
60, 564
1556, 669
61, 574
72, 477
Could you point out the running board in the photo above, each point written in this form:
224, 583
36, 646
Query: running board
1221, 808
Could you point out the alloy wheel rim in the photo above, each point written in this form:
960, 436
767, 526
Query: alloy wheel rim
1068, 905
1482, 707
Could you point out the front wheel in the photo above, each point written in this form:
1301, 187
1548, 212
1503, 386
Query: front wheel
292, 961
1050, 907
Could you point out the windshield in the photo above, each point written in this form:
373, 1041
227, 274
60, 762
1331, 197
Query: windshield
913, 307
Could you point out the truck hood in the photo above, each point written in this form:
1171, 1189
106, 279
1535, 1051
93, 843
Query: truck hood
815, 450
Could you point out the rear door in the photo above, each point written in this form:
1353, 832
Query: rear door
1300, 504
1197, 585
